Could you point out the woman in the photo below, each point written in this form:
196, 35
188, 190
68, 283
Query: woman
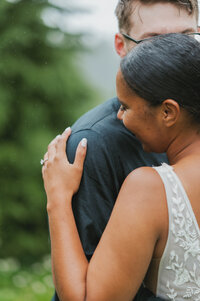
153, 233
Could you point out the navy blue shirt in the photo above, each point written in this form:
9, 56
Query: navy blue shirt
112, 153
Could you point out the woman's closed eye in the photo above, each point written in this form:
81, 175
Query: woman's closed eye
122, 108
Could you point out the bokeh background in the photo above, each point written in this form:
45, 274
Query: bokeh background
57, 61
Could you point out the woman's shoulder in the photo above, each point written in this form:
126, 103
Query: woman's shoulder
147, 195
145, 178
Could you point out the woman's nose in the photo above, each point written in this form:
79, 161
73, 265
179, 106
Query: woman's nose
120, 114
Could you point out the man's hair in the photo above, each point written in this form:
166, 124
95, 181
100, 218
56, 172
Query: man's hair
124, 9
166, 67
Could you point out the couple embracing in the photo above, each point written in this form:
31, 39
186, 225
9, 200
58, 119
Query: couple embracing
124, 204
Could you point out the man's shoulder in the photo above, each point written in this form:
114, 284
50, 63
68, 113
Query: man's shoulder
102, 115
102, 127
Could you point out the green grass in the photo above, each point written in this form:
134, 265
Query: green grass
25, 284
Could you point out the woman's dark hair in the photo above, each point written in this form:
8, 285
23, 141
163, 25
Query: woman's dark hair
166, 67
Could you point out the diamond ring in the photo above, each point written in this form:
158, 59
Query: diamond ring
43, 161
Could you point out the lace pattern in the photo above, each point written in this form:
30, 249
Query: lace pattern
179, 271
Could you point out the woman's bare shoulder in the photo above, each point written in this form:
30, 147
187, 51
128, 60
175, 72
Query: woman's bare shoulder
143, 190
145, 179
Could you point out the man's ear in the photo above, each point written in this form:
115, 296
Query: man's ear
120, 45
198, 28
170, 112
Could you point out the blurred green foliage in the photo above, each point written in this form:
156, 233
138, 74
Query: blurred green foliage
41, 93
22, 284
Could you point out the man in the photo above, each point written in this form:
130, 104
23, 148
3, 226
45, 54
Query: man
113, 152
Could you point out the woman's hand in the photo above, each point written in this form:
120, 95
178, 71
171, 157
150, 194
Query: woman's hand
62, 179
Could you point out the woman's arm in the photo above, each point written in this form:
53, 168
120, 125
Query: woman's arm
68, 259
122, 257
61, 181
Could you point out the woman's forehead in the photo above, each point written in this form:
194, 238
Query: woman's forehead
122, 85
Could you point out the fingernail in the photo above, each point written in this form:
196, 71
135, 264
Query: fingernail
67, 129
84, 142
58, 136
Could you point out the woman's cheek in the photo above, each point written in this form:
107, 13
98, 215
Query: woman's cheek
127, 122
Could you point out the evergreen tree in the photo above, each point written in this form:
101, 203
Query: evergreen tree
41, 93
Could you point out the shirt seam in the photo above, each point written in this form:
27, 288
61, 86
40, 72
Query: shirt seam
96, 122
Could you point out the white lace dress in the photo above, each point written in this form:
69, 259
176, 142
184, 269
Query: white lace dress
179, 270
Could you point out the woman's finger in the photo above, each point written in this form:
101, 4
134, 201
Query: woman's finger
45, 161
52, 149
46, 156
81, 154
61, 144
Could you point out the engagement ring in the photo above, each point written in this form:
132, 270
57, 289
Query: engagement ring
43, 161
